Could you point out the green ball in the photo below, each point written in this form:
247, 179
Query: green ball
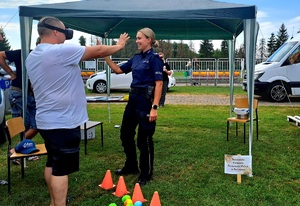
125, 197
112, 204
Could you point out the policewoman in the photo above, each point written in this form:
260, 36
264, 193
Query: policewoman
141, 109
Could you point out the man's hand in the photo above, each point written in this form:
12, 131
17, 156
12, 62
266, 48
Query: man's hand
123, 39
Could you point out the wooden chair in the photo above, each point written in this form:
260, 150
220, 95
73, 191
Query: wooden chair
15, 127
243, 103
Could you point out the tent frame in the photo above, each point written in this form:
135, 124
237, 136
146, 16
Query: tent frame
226, 19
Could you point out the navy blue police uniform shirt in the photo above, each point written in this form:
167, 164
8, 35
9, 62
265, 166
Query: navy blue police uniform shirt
146, 68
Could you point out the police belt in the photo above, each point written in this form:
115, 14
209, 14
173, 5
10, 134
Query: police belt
138, 90
20, 90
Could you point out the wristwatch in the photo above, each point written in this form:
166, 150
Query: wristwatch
154, 106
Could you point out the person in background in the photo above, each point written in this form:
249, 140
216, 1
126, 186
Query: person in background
16, 96
141, 109
166, 72
2, 182
53, 69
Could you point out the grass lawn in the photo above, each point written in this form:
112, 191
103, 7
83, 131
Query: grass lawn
190, 144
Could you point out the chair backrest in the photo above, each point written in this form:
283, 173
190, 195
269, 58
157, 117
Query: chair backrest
242, 102
15, 126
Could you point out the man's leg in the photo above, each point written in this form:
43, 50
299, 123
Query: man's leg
59, 188
47, 175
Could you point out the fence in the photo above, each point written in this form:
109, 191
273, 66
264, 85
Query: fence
91, 67
206, 70
193, 71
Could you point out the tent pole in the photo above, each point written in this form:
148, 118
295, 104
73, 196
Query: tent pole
250, 37
108, 75
231, 49
25, 28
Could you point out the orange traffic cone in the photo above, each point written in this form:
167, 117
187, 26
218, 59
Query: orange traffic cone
155, 200
121, 188
137, 194
107, 182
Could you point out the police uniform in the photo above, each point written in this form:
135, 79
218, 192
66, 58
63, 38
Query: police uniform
146, 69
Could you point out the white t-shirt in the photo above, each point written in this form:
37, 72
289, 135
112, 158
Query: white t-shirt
54, 72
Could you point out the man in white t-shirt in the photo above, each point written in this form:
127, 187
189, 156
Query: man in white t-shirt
53, 69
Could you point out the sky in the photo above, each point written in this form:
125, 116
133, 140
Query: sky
270, 15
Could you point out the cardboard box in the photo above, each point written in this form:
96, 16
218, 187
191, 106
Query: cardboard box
90, 133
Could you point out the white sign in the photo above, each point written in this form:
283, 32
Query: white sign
238, 164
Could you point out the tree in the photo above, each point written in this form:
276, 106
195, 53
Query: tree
240, 52
4, 45
166, 48
206, 49
129, 50
175, 49
282, 36
217, 54
191, 46
261, 50
82, 40
271, 44
224, 49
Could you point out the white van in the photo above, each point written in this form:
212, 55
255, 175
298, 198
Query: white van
279, 75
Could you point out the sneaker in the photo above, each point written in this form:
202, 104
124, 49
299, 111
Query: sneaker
33, 158
3, 182
16, 161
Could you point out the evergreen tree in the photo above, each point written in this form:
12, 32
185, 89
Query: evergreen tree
224, 49
271, 44
206, 49
282, 36
4, 45
261, 50
240, 52
82, 40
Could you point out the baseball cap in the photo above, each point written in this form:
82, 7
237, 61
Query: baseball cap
26, 146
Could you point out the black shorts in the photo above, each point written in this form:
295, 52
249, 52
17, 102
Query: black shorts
62, 150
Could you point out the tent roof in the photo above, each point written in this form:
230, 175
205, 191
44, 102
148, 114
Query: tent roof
169, 19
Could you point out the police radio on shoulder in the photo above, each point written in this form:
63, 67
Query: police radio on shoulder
154, 106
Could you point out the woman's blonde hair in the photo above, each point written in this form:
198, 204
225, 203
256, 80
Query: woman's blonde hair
150, 34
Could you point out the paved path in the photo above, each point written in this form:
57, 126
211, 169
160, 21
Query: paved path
205, 99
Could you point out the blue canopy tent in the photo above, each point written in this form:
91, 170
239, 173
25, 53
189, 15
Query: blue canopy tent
170, 19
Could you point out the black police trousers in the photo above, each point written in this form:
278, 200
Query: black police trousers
137, 114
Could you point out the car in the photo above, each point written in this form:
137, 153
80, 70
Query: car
98, 83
